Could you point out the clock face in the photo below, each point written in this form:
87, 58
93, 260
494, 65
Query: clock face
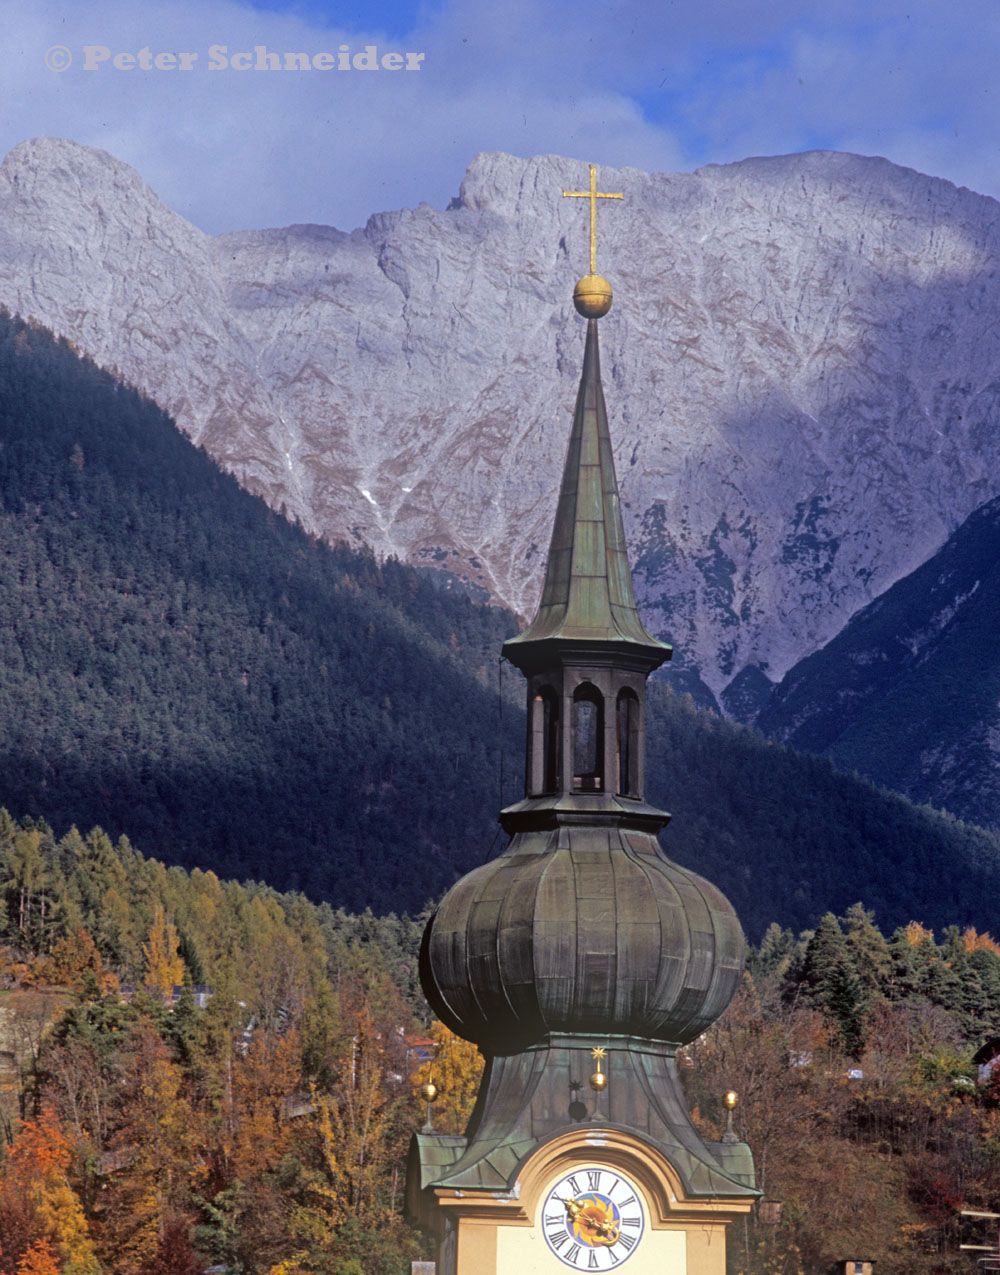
593, 1218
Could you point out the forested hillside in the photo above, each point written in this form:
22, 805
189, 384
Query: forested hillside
266, 1125
264, 1130
908, 692
788, 837
852, 1055
179, 664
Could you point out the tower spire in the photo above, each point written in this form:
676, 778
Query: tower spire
587, 593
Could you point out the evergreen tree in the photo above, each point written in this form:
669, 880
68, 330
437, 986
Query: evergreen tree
771, 958
868, 950
907, 962
831, 983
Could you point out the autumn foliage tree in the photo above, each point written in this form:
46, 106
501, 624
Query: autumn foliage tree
151, 1153
43, 1230
455, 1070
164, 965
76, 962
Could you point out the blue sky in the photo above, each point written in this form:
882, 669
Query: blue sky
659, 85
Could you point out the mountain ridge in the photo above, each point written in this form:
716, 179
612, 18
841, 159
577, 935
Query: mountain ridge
801, 365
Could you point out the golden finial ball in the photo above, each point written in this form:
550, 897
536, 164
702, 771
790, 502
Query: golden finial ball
731, 1099
428, 1091
598, 1081
592, 296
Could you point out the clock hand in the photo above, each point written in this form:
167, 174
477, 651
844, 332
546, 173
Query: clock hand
579, 1215
608, 1229
573, 1208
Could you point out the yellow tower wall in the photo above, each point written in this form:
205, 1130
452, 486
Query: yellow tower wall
499, 1233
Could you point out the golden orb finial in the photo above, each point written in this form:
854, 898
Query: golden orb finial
592, 296
598, 1080
731, 1099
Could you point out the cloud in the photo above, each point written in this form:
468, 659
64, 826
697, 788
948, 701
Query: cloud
233, 148
910, 82
657, 87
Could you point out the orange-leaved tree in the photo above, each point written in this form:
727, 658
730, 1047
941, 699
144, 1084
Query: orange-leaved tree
76, 962
151, 1160
43, 1230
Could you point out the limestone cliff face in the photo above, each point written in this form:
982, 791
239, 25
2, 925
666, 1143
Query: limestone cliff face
802, 368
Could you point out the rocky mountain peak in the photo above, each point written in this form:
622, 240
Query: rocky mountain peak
801, 369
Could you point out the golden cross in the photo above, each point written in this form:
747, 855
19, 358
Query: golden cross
593, 195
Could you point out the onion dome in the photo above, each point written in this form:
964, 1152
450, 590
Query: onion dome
581, 930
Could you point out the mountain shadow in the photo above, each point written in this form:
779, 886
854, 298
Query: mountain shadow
182, 666
908, 692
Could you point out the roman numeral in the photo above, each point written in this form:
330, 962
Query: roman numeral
558, 1238
611, 1188
574, 1185
573, 1254
553, 1219
592, 1263
627, 1241
632, 1221
594, 1180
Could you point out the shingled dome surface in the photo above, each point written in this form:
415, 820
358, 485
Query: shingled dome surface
582, 930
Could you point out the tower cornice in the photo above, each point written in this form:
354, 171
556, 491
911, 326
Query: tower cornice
540, 653
542, 814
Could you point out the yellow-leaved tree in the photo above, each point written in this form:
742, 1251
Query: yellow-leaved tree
455, 1070
357, 1126
164, 963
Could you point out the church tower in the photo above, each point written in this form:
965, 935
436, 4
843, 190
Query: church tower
581, 958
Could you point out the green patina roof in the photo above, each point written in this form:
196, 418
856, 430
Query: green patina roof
529, 1090
587, 593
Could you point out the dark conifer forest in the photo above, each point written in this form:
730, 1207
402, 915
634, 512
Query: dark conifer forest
182, 666
907, 692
